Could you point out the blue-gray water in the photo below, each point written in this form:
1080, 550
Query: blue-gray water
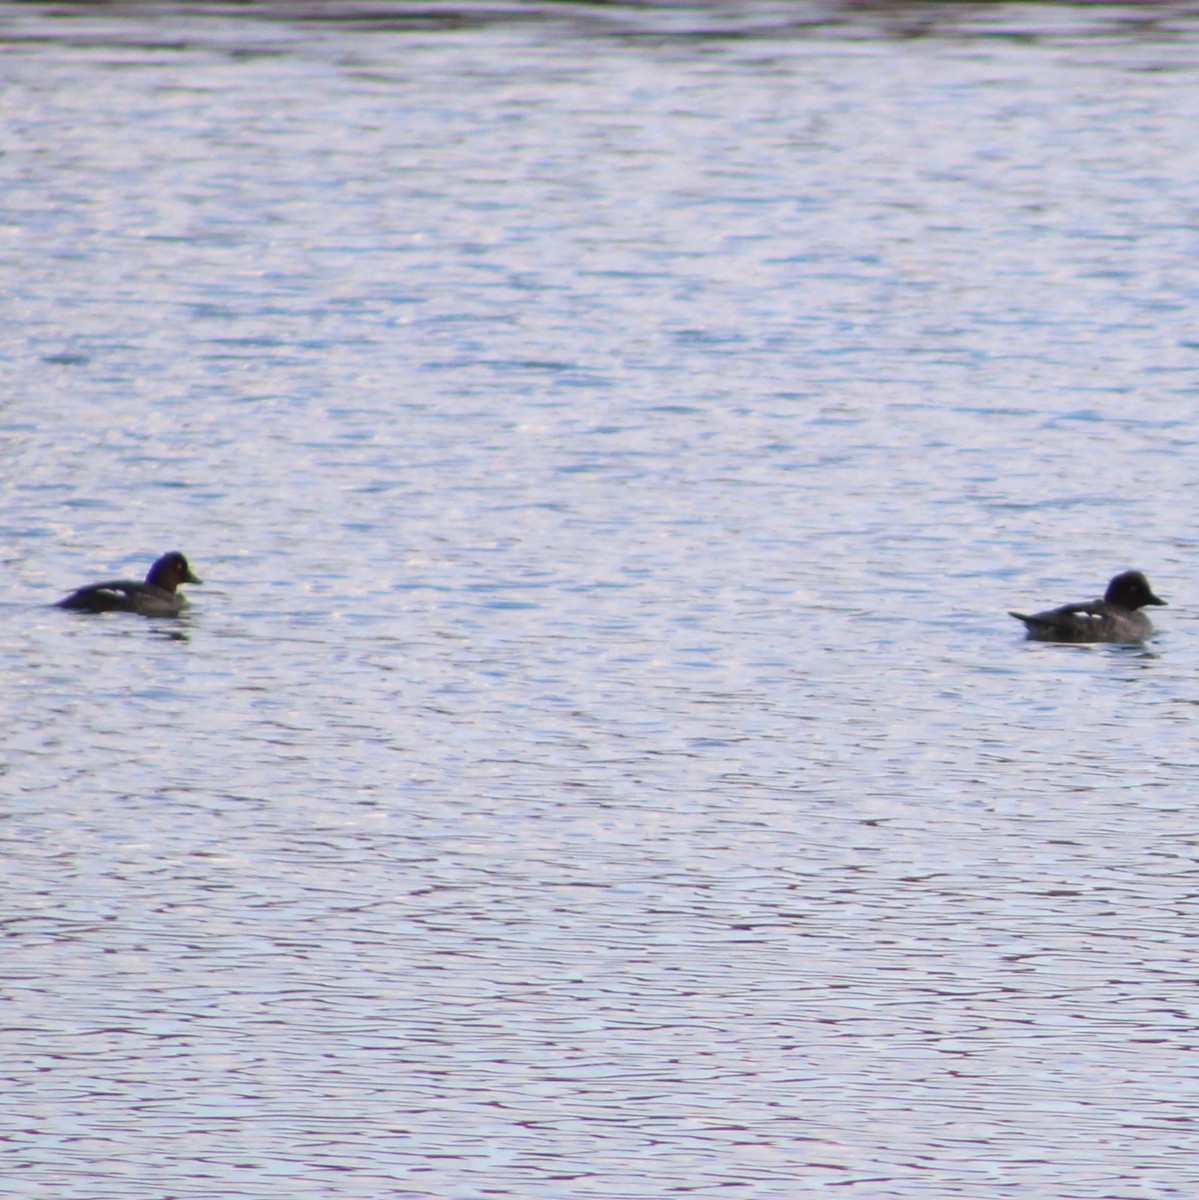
599, 763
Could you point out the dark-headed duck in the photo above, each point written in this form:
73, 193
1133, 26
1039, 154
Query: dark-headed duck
1115, 618
156, 597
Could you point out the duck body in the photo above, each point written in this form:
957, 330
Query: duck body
1115, 618
156, 597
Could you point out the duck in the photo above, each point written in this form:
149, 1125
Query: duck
157, 597
1115, 618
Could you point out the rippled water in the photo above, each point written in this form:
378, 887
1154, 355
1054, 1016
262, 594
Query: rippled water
599, 762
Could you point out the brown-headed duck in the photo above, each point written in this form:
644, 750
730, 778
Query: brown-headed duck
156, 597
1115, 618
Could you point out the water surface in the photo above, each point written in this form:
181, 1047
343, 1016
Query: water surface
599, 762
